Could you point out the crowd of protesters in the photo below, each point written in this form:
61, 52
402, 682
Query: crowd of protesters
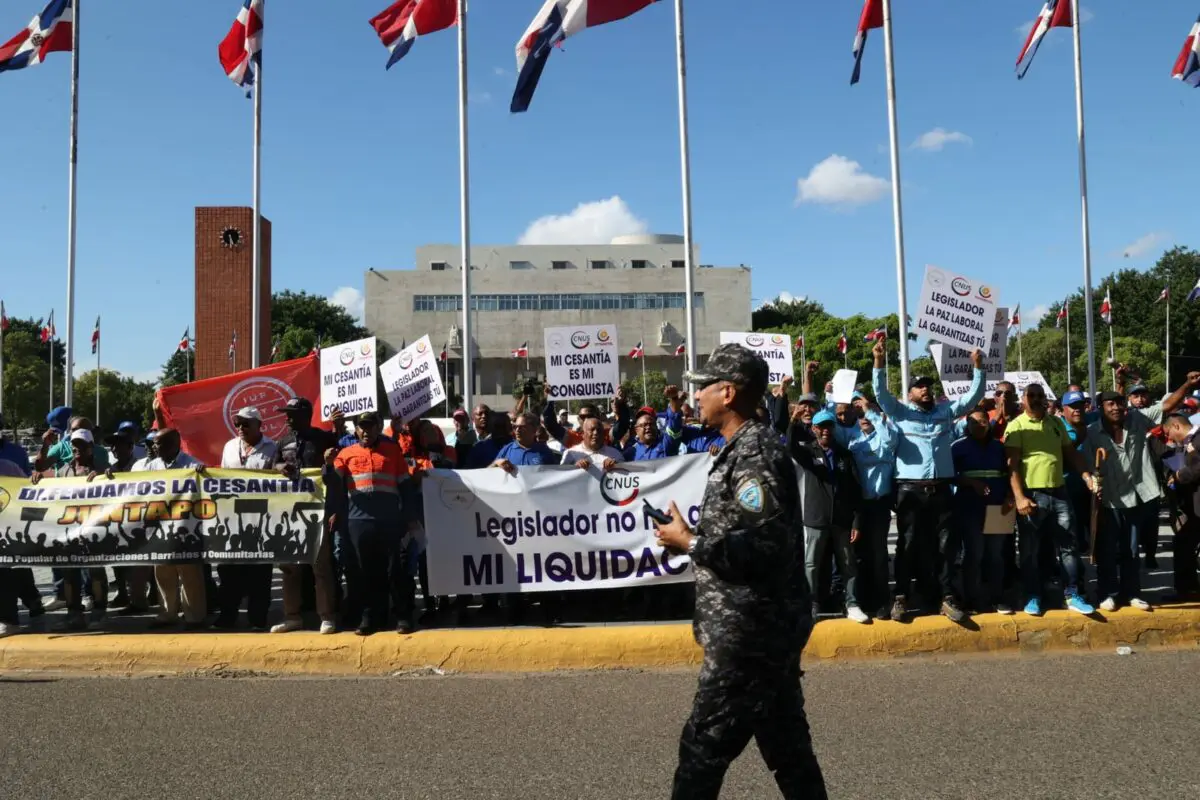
1000, 504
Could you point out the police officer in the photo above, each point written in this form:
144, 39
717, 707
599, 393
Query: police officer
752, 601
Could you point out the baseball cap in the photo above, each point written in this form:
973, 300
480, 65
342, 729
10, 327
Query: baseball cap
460, 413
249, 412
920, 380
82, 435
369, 418
150, 436
809, 398
128, 425
297, 405
1138, 387
733, 363
824, 417
1071, 398
1117, 396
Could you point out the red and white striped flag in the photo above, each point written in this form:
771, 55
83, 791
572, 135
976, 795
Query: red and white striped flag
47, 332
185, 342
96, 336
843, 343
1062, 315
682, 349
1165, 294
637, 352
233, 347
522, 351
445, 354
1106, 308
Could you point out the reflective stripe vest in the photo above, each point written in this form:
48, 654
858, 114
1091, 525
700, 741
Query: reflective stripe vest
376, 469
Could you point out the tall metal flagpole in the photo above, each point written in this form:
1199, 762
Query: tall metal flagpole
256, 268
1020, 349
1112, 356
897, 209
1168, 337
1068, 309
464, 209
71, 198
52, 372
1, 366
97, 419
685, 159
1083, 203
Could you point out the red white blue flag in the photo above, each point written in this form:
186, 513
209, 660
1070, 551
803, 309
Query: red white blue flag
1055, 14
401, 23
872, 17
637, 352
843, 343
522, 351
1194, 294
1106, 308
557, 20
96, 337
49, 32
1187, 66
242, 46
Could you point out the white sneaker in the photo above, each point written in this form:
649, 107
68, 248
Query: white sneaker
56, 605
327, 627
1005, 609
7, 630
856, 614
1109, 604
1140, 604
287, 626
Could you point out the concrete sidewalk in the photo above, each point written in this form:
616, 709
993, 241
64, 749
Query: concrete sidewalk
583, 647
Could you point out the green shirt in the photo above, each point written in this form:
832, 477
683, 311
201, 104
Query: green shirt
1040, 443
60, 454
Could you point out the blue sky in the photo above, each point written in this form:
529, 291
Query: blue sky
360, 165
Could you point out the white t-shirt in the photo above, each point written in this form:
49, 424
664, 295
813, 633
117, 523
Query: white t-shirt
579, 452
262, 456
182, 461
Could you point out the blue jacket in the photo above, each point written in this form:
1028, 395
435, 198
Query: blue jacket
483, 454
534, 456
875, 456
667, 444
923, 452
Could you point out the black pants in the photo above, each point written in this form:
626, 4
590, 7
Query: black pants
871, 553
734, 703
376, 568
249, 582
1187, 538
931, 543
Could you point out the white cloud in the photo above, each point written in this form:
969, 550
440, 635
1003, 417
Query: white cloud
480, 97
1036, 313
935, 140
788, 297
500, 72
1144, 245
839, 181
350, 299
590, 223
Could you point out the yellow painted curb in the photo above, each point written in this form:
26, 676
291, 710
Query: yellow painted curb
532, 649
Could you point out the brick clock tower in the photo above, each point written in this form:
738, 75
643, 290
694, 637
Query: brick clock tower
224, 269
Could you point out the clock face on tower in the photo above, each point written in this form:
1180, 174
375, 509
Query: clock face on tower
231, 238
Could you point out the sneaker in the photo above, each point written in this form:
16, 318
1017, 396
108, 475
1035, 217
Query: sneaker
899, 610
1034, 607
883, 614
405, 627
856, 614
1140, 604
287, 626
56, 605
327, 627
1005, 609
952, 610
1109, 604
7, 630
1079, 605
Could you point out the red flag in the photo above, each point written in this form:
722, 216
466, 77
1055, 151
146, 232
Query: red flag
637, 352
3, 318
185, 342
96, 337
202, 411
681, 350
1062, 314
872, 17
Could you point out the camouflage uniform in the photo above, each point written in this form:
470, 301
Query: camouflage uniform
752, 608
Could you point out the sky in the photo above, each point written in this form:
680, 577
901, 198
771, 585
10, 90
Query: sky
790, 167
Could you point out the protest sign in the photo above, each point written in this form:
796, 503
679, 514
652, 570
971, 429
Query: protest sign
955, 368
348, 378
222, 516
775, 348
202, 411
1022, 379
556, 528
581, 362
413, 381
844, 381
957, 310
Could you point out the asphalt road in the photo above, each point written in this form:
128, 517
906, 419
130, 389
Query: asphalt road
1094, 726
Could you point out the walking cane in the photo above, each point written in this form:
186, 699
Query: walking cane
1101, 454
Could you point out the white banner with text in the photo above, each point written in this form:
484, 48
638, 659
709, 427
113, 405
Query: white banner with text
413, 380
348, 378
957, 310
775, 348
582, 363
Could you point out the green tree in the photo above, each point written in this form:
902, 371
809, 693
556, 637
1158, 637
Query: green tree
300, 319
27, 374
656, 383
180, 368
121, 398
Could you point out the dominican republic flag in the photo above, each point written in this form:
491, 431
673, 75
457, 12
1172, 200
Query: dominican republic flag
445, 354
872, 17
316, 348
47, 332
233, 347
1062, 315
1195, 292
49, 32
96, 337
1106, 308
1015, 322
275, 349
557, 20
877, 335
401, 23
1165, 294
242, 46
843, 343
522, 351
1187, 66
800, 341
185, 342
1055, 14
3, 318
682, 349
637, 352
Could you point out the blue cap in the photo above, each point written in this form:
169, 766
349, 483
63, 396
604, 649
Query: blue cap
128, 425
858, 396
1137, 387
59, 418
1071, 398
824, 417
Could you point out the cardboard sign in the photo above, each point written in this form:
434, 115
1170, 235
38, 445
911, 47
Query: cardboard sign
348, 378
413, 381
775, 348
582, 362
954, 363
956, 389
844, 381
957, 310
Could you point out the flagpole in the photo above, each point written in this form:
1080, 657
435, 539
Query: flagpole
1, 366
643, 360
1068, 307
97, 419
1168, 387
689, 262
1083, 203
256, 268
1112, 356
71, 201
51, 370
1020, 348
187, 359
897, 209
464, 211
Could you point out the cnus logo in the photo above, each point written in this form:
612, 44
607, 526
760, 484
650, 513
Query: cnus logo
755, 340
961, 287
580, 340
346, 356
619, 488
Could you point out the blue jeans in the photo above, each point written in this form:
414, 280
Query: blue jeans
1119, 531
983, 556
1051, 521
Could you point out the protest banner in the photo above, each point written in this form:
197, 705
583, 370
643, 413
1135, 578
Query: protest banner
348, 378
202, 411
413, 381
556, 528
957, 310
954, 364
581, 362
775, 348
221, 516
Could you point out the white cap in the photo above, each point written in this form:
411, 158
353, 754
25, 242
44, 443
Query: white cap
82, 435
249, 412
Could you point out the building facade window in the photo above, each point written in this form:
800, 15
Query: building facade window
598, 264
639, 263
560, 265
597, 301
438, 266
677, 264
520, 265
